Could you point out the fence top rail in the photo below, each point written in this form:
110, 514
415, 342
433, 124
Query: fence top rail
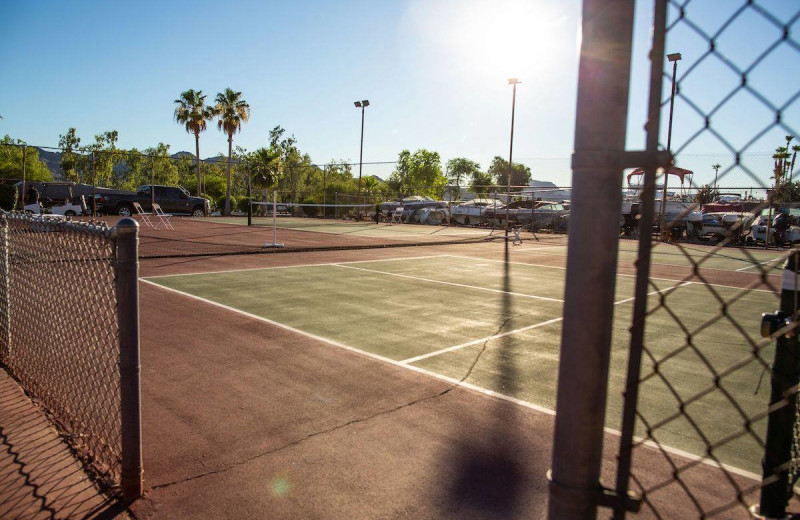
95, 228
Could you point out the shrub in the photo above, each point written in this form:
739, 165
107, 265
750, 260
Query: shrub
310, 211
8, 196
243, 203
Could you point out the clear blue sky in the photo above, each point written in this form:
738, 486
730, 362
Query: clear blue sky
434, 71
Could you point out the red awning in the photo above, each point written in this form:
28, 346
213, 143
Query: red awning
680, 172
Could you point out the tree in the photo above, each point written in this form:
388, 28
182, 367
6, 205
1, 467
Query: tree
193, 113
11, 153
263, 169
158, 166
785, 190
482, 183
68, 143
520, 174
105, 157
706, 194
232, 111
459, 170
420, 172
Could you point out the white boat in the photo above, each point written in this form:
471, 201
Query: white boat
411, 207
473, 212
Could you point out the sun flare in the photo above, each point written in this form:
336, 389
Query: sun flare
500, 38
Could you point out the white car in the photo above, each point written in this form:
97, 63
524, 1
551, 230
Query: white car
69, 208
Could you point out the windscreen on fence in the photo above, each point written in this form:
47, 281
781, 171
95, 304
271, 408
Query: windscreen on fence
60, 335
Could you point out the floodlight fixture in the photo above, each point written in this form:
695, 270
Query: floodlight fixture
365, 102
357, 104
674, 57
513, 81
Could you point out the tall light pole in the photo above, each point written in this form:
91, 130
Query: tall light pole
674, 58
716, 171
514, 82
362, 105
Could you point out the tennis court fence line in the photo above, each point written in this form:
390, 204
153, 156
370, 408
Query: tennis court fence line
69, 334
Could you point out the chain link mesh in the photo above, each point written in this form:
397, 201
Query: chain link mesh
700, 383
59, 328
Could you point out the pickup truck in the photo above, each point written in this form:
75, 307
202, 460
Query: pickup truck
172, 199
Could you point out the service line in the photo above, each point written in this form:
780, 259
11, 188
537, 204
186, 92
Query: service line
517, 331
454, 284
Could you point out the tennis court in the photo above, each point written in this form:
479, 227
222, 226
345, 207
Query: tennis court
494, 325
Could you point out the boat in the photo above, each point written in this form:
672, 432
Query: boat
411, 207
529, 213
473, 212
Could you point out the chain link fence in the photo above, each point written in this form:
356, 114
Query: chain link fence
61, 336
703, 389
704, 399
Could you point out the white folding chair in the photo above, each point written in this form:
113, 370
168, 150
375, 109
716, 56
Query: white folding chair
143, 215
162, 217
397, 215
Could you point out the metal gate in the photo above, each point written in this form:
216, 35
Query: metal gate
693, 388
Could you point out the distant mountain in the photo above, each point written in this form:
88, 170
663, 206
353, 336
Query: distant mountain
52, 160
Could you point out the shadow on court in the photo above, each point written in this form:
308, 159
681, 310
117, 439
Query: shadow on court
39, 476
494, 472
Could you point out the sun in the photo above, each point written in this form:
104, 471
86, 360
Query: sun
502, 38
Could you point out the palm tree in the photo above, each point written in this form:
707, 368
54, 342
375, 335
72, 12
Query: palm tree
193, 113
795, 149
232, 111
716, 168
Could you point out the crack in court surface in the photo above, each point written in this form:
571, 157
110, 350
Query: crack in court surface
333, 429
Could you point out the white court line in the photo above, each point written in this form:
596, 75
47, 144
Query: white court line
453, 381
228, 271
478, 341
534, 252
668, 289
454, 284
774, 262
618, 274
516, 331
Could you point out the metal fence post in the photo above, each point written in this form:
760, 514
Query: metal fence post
5, 287
128, 320
777, 482
604, 75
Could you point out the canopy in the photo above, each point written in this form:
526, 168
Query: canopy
680, 172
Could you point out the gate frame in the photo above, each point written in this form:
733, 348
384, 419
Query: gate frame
598, 162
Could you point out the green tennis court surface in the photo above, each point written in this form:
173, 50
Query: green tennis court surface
497, 326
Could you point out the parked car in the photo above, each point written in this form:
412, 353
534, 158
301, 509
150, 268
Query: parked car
172, 199
56, 198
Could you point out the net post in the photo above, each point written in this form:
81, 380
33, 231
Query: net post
127, 292
5, 287
778, 462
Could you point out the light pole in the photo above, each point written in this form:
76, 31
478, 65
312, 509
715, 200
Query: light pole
362, 105
514, 82
716, 171
674, 58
